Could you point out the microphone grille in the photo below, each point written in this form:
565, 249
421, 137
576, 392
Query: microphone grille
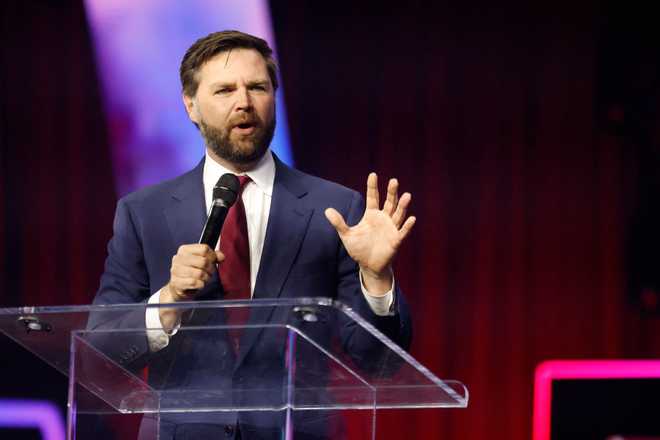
226, 189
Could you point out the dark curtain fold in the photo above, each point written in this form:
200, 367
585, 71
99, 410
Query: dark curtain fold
489, 114
57, 184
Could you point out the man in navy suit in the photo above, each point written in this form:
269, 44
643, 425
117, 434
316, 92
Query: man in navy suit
307, 236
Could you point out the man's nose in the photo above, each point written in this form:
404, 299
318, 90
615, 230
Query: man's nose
243, 100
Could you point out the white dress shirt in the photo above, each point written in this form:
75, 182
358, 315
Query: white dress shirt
257, 196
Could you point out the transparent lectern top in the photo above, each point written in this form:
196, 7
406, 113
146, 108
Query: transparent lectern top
305, 353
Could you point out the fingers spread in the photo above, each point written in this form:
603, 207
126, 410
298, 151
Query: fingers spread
392, 197
336, 220
401, 209
373, 199
406, 228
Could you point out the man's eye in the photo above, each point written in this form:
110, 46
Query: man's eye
259, 87
223, 90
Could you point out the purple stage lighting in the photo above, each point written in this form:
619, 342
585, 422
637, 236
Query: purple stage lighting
138, 48
34, 414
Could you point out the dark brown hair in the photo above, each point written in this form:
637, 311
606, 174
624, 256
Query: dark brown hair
207, 47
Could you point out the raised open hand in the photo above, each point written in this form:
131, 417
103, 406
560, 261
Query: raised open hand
374, 241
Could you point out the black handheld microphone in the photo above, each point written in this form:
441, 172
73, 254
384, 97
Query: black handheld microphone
225, 192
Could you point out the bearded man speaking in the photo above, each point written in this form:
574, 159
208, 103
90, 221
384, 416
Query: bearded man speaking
288, 235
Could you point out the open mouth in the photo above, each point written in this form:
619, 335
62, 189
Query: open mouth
245, 128
245, 125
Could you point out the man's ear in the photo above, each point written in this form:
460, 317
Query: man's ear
191, 108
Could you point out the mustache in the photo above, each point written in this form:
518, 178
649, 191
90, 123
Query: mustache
244, 119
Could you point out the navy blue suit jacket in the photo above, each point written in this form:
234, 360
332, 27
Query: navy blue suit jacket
302, 257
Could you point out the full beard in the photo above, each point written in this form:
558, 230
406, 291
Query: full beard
244, 151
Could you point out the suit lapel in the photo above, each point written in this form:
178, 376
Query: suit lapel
288, 221
287, 224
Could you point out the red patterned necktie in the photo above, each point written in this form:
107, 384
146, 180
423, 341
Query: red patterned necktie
234, 271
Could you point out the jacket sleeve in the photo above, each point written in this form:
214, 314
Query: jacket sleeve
125, 280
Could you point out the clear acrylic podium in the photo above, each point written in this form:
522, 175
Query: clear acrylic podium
306, 368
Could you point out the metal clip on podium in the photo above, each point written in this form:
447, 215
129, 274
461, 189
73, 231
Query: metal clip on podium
298, 368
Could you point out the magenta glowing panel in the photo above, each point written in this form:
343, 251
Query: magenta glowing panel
138, 48
32, 414
549, 371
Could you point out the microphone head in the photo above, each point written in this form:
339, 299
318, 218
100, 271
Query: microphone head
226, 189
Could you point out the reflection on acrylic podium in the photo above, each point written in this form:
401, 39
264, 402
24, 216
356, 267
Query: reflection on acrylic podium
306, 368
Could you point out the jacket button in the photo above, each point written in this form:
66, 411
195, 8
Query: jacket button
229, 430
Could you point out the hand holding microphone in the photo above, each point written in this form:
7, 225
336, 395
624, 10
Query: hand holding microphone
194, 264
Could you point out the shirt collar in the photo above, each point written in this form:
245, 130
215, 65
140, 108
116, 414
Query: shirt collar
263, 174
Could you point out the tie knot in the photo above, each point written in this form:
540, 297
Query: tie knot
242, 181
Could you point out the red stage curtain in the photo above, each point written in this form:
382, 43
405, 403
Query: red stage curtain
57, 185
486, 112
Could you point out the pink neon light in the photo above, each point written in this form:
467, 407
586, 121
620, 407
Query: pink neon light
548, 371
37, 414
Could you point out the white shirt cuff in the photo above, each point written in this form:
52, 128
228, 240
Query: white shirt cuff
380, 305
157, 337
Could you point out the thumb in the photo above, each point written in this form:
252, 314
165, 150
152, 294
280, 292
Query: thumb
336, 220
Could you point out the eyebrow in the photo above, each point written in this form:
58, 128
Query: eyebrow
256, 82
222, 84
